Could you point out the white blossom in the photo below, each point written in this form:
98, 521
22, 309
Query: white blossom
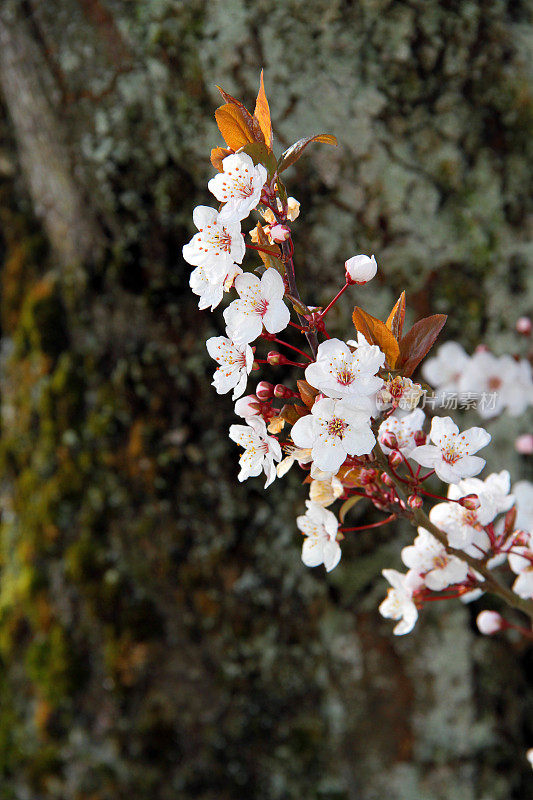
498, 383
360, 269
428, 557
340, 373
217, 245
450, 455
320, 527
523, 493
521, 562
260, 303
399, 604
444, 370
300, 454
493, 495
235, 365
247, 406
210, 286
326, 490
239, 186
462, 528
261, 450
399, 392
404, 428
335, 429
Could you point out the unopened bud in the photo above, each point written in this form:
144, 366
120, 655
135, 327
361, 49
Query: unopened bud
389, 440
490, 622
419, 438
265, 390
360, 269
283, 392
274, 358
279, 233
395, 459
523, 326
367, 476
524, 444
415, 501
386, 479
471, 502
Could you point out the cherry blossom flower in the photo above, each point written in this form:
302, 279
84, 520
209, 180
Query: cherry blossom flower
340, 373
360, 269
300, 454
325, 490
451, 454
428, 557
260, 303
523, 492
444, 371
239, 186
460, 525
319, 526
499, 383
489, 622
404, 429
493, 494
399, 604
235, 365
335, 429
261, 450
217, 245
399, 392
521, 562
247, 406
211, 288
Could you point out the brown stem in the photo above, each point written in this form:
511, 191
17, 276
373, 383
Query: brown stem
311, 336
286, 251
418, 517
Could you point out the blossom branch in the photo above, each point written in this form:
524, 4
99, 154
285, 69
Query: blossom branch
418, 517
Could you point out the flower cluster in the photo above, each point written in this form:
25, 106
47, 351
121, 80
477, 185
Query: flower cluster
507, 380
351, 421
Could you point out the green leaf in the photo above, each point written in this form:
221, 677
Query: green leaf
294, 152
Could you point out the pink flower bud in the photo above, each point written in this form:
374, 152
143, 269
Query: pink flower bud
389, 440
523, 326
360, 269
524, 444
471, 502
395, 459
367, 476
490, 622
419, 438
386, 479
274, 358
279, 233
283, 392
265, 390
415, 501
